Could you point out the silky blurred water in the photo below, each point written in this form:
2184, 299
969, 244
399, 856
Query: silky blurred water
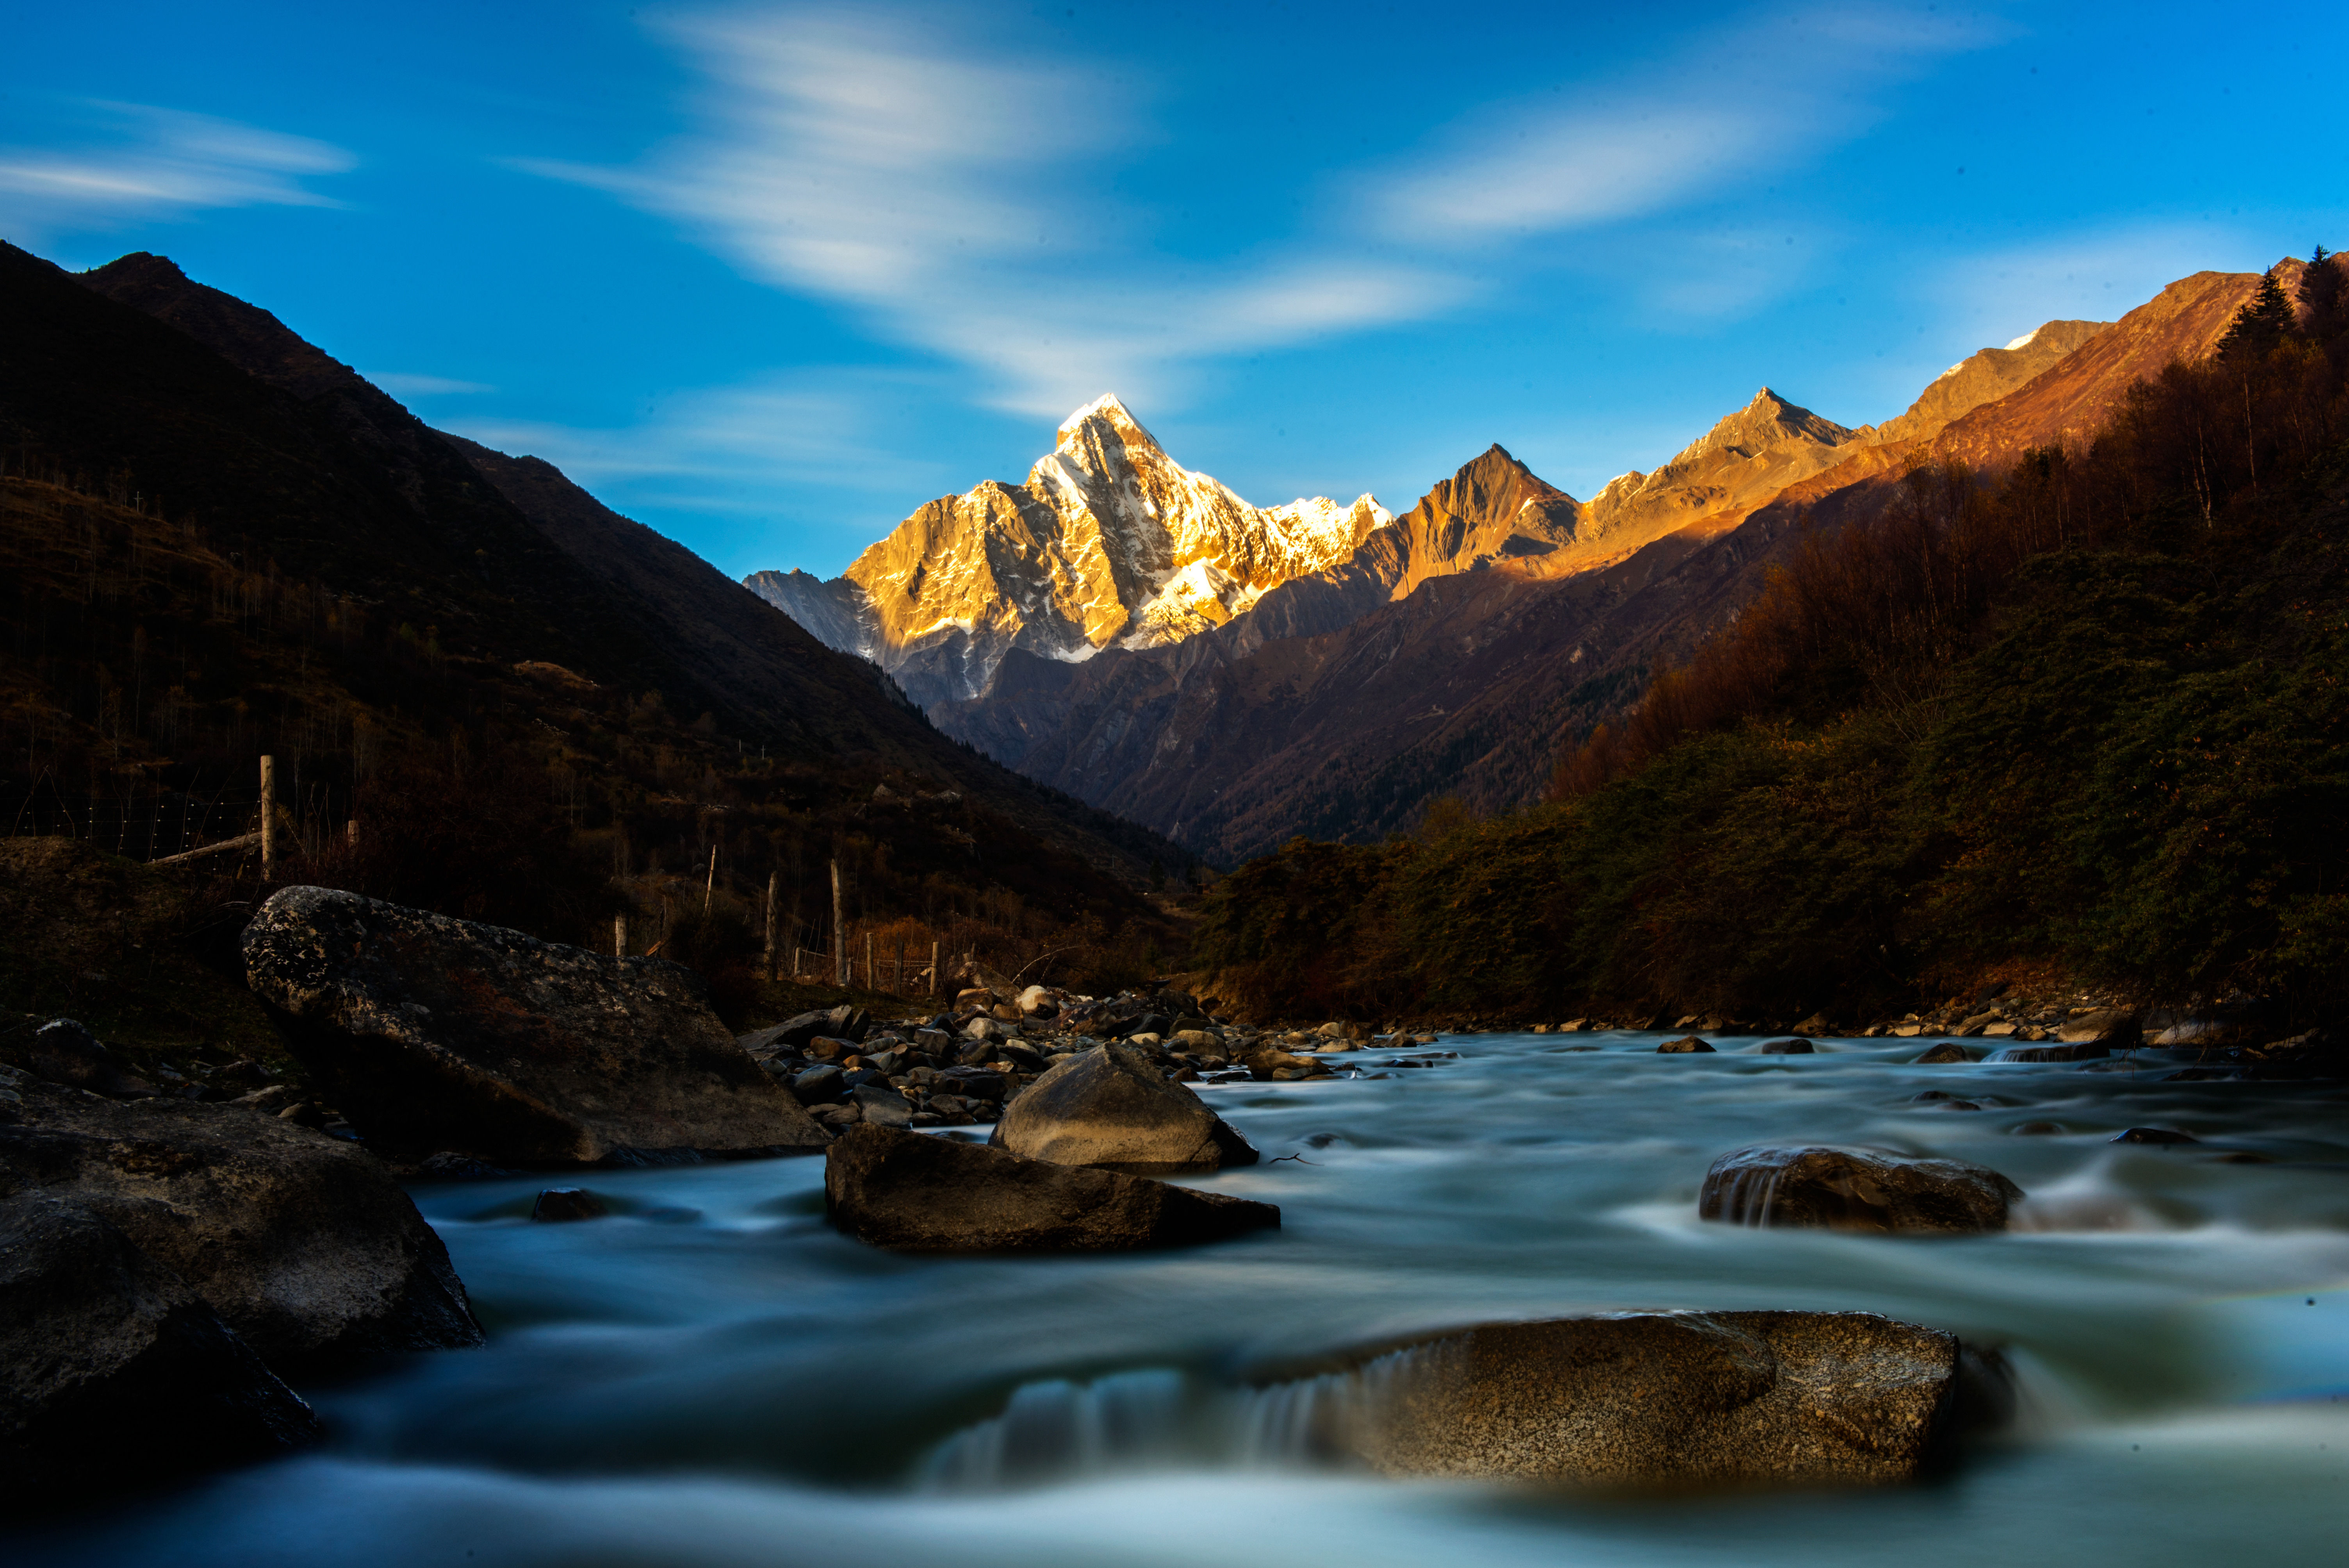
711, 1376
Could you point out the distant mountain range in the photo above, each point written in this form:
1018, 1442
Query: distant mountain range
1339, 687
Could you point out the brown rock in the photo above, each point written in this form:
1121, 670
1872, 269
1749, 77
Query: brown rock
1853, 1189
1944, 1052
115, 1374
1109, 1107
439, 1034
302, 1243
1668, 1401
917, 1193
1685, 1045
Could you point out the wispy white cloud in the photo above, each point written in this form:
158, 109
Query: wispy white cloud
727, 446
1779, 89
944, 189
401, 383
159, 162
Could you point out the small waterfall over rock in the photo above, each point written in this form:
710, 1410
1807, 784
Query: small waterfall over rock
1058, 1430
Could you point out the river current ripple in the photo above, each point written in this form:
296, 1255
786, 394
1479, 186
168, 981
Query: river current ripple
712, 1377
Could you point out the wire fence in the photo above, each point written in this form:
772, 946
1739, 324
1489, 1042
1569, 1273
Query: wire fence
140, 823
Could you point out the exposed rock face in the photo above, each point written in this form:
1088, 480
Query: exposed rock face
904, 1191
116, 1374
1110, 1107
1984, 377
1744, 460
1854, 1190
302, 1243
1110, 541
441, 1034
1655, 1401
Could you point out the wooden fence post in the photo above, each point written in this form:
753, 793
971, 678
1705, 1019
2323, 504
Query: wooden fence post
839, 933
770, 925
709, 891
269, 819
934, 968
619, 936
872, 979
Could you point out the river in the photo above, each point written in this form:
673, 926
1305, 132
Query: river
712, 1377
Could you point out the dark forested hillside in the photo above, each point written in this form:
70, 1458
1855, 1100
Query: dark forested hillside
537, 711
2089, 714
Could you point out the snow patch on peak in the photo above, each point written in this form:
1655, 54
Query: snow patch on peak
1107, 409
2025, 341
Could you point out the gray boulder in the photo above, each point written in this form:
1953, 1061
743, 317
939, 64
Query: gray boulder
915, 1193
63, 1052
882, 1106
302, 1243
791, 1034
1854, 1190
819, 1084
1668, 1401
438, 1034
117, 1375
1110, 1107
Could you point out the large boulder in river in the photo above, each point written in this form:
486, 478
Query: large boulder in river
1112, 1107
1854, 1190
918, 1193
302, 1243
115, 1374
1663, 1401
438, 1033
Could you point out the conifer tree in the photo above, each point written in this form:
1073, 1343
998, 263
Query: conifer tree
2260, 325
2319, 294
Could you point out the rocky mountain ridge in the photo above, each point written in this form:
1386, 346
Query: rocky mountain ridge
1336, 711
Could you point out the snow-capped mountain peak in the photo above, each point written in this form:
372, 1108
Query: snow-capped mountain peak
1109, 542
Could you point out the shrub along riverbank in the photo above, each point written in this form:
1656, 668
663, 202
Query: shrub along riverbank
2090, 715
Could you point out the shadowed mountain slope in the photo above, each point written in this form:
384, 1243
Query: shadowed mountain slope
1333, 713
212, 412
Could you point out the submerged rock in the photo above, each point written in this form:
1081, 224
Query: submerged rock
1794, 1048
302, 1242
118, 1376
1666, 1401
2083, 1051
918, 1193
441, 1034
2154, 1135
1110, 1107
1682, 1045
1854, 1190
560, 1203
1944, 1052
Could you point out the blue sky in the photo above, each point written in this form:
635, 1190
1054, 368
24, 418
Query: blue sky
769, 277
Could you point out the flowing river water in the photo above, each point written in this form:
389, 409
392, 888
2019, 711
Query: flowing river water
713, 1376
